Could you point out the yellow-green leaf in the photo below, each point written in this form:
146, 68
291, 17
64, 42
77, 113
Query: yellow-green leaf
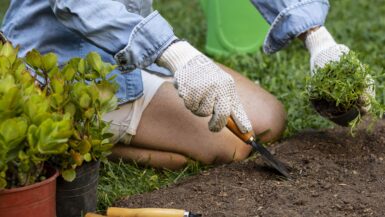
34, 59
69, 175
87, 157
95, 61
49, 61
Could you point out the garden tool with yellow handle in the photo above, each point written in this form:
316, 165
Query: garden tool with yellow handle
144, 212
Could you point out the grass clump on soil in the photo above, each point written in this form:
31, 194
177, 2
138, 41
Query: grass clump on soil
341, 86
121, 179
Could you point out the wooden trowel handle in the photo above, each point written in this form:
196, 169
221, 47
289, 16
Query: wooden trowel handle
90, 214
144, 212
232, 126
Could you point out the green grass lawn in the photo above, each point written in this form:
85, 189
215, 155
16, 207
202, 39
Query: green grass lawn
3, 8
359, 25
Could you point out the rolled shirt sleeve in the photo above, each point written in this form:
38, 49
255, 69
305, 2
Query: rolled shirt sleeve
289, 18
133, 40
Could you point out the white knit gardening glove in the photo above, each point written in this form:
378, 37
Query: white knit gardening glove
204, 87
323, 49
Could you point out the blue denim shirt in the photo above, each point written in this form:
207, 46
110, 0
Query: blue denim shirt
122, 31
128, 32
290, 18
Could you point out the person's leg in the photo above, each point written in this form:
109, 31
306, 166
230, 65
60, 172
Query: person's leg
168, 127
152, 158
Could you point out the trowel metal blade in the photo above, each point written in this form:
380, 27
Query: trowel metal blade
270, 160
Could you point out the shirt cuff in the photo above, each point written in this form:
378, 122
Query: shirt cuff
294, 20
147, 41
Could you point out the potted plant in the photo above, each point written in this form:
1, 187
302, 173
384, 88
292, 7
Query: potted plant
83, 89
30, 134
340, 89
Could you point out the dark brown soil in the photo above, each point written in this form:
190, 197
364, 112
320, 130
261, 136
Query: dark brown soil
327, 108
335, 113
334, 175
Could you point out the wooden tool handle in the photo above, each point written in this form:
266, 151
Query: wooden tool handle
144, 212
231, 125
90, 214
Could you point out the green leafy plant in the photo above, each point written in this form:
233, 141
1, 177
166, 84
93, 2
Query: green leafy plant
30, 132
84, 91
341, 86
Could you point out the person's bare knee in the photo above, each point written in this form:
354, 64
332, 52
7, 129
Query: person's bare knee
161, 127
238, 154
272, 124
265, 112
231, 149
242, 153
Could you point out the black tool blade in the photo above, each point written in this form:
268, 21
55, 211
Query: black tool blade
194, 215
270, 160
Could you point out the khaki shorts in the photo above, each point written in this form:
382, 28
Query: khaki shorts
125, 120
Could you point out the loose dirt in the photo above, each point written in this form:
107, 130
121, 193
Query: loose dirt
334, 174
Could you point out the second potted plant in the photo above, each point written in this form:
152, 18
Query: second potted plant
83, 89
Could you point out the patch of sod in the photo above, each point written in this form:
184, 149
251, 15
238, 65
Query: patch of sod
344, 85
341, 83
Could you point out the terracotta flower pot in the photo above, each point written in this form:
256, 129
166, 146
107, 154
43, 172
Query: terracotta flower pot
36, 200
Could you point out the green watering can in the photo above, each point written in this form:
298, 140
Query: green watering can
233, 26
